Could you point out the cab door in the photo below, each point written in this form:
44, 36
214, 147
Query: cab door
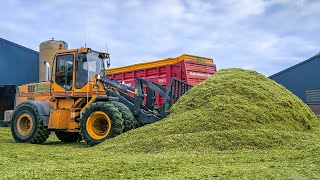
62, 86
64, 75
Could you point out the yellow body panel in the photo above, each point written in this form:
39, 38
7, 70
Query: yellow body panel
59, 118
34, 91
159, 63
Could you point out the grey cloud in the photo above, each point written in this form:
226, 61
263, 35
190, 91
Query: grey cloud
266, 36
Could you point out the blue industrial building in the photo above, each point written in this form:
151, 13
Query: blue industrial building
18, 65
302, 80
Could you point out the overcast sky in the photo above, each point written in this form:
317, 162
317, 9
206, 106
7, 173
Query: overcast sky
266, 36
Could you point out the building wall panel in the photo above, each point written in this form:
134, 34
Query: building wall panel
18, 65
302, 80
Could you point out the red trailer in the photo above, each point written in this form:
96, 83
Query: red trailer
188, 68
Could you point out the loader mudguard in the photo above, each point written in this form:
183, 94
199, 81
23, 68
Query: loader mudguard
43, 109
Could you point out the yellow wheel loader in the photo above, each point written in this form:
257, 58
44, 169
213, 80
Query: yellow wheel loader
80, 102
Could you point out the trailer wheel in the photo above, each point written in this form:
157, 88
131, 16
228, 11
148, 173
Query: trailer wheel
100, 121
129, 121
27, 125
68, 136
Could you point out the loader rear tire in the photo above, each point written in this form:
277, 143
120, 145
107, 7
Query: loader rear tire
68, 136
100, 121
27, 125
129, 121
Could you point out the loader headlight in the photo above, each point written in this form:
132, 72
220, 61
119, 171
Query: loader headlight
98, 76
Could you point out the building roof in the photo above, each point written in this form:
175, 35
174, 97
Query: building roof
294, 66
19, 46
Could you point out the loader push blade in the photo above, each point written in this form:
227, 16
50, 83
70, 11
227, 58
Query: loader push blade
176, 88
146, 91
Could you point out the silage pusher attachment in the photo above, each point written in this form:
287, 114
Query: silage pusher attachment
142, 103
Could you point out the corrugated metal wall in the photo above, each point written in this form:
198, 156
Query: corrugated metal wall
302, 80
18, 65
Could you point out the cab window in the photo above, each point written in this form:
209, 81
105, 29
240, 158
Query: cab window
64, 71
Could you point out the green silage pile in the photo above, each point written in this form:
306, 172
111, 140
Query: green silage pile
234, 109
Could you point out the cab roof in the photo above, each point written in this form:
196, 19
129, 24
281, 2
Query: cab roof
83, 50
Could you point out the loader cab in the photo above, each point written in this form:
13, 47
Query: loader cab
87, 66
74, 69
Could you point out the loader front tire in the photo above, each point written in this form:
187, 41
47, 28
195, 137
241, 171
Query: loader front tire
27, 125
100, 121
68, 136
129, 121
